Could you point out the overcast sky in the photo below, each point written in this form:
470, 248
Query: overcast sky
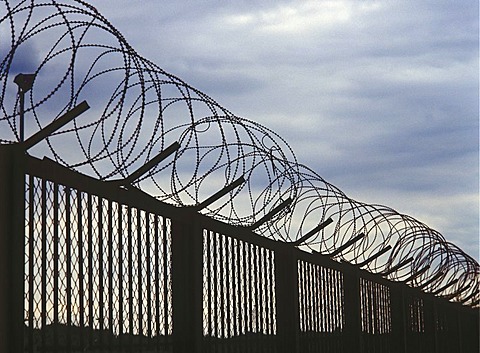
381, 98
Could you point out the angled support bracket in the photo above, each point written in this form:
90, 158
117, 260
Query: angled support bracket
347, 244
469, 297
458, 292
373, 257
449, 284
271, 214
431, 280
417, 274
149, 165
397, 266
55, 125
312, 232
219, 194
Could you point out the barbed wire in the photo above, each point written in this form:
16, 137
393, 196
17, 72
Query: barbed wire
138, 109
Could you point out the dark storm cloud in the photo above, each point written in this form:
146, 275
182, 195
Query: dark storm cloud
26, 58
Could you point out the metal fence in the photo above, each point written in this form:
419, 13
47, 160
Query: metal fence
95, 267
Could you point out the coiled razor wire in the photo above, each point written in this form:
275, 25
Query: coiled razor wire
138, 110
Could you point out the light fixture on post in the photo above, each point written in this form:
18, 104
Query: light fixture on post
24, 83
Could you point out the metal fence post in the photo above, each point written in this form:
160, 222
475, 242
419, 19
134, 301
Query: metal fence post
12, 238
187, 280
431, 330
353, 323
286, 293
469, 321
397, 297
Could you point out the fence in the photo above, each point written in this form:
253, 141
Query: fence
98, 267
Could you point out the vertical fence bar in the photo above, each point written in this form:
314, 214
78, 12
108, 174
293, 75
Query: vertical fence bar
208, 280
158, 328
55, 266
44, 261
121, 299
235, 280
149, 276
110, 273
90, 267
227, 287
245, 325
286, 290
221, 279
187, 275
130, 275
100, 274
12, 237
166, 270
238, 318
139, 261
31, 262
68, 244
81, 274
216, 305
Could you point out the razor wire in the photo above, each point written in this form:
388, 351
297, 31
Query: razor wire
138, 110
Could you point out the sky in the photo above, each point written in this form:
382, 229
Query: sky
381, 98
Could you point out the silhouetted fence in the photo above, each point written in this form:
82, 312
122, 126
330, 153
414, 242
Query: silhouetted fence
89, 266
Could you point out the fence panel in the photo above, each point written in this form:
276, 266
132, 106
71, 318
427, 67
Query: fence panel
239, 304
321, 301
97, 272
376, 316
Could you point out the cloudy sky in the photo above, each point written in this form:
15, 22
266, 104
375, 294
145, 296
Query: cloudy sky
381, 98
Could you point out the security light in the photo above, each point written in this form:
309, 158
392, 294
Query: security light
24, 81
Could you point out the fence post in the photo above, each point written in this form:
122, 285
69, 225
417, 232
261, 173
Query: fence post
286, 293
397, 297
431, 316
353, 326
469, 319
187, 281
12, 238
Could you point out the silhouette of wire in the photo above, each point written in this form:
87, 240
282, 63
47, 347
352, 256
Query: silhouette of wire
138, 110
